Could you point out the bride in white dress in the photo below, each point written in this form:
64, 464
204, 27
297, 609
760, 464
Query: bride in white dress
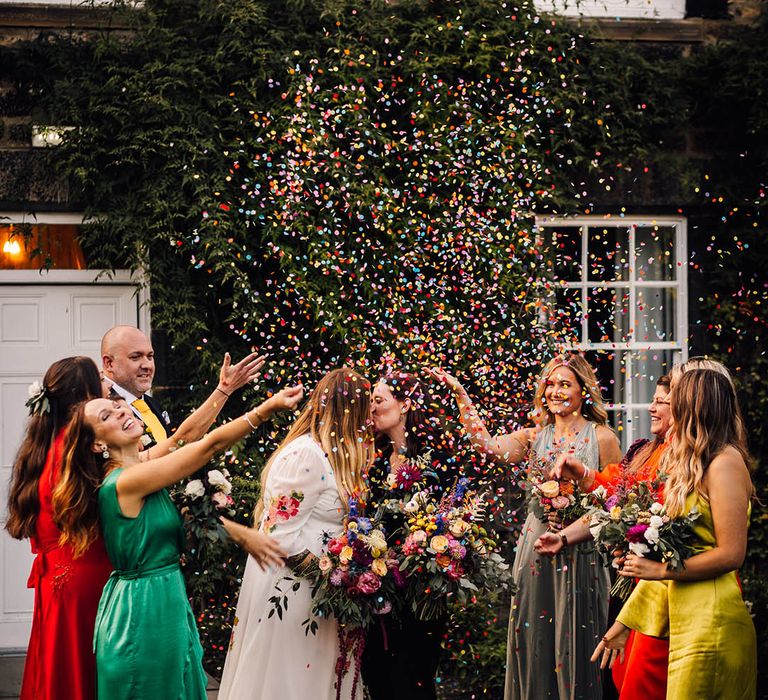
305, 488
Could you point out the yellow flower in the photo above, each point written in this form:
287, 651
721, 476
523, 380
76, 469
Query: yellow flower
379, 567
376, 540
439, 543
616, 513
549, 489
346, 554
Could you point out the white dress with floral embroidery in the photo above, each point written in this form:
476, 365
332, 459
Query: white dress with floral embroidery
272, 658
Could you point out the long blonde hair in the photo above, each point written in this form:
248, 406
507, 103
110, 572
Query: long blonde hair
337, 416
704, 413
592, 407
701, 362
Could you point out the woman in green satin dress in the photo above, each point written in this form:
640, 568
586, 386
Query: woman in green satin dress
712, 645
146, 642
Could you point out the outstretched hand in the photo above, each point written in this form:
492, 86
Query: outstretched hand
232, 377
611, 646
448, 379
549, 544
287, 399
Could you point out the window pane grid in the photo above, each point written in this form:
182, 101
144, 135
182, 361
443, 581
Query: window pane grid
635, 319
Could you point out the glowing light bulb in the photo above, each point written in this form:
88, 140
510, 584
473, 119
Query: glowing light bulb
12, 247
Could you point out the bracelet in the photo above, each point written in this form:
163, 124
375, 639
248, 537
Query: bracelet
223, 392
587, 472
564, 540
248, 420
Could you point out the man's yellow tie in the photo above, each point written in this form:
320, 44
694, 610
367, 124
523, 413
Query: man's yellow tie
150, 420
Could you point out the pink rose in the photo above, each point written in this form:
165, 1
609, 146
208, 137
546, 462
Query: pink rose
221, 500
368, 583
560, 502
410, 546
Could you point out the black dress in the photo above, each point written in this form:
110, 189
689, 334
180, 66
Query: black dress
400, 658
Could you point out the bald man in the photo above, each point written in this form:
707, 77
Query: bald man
128, 361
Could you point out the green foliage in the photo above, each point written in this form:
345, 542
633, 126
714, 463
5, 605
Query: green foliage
474, 650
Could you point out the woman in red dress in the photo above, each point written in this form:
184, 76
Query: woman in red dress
60, 662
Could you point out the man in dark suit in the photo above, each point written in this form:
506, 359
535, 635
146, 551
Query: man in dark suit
128, 361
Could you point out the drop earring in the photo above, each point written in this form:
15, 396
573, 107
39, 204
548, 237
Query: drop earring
105, 453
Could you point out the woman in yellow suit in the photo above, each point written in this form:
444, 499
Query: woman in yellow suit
712, 647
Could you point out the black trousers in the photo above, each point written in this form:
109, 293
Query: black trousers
400, 659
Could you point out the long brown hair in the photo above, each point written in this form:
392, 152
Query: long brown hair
423, 428
704, 411
75, 498
641, 456
592, 407
66, 383
337, 416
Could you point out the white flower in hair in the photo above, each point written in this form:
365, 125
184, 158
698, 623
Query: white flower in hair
195, 489
37, 403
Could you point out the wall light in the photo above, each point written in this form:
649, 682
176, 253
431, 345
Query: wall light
12, 248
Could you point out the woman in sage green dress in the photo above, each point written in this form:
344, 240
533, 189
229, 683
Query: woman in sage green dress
712, 645
561, 604
146, 642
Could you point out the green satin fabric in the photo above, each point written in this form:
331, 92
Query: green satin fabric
146, 641
712, 645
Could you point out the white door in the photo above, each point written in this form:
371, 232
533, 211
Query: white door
41, 323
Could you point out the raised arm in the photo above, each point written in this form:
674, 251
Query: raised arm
144, 478
231, 378
729, 490
508, 448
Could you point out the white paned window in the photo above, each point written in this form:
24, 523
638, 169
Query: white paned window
646, 9
621, 284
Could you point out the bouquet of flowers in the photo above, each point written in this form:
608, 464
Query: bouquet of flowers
203, 500
446, 552
633, 519
357, 576
556, 502
355, 580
